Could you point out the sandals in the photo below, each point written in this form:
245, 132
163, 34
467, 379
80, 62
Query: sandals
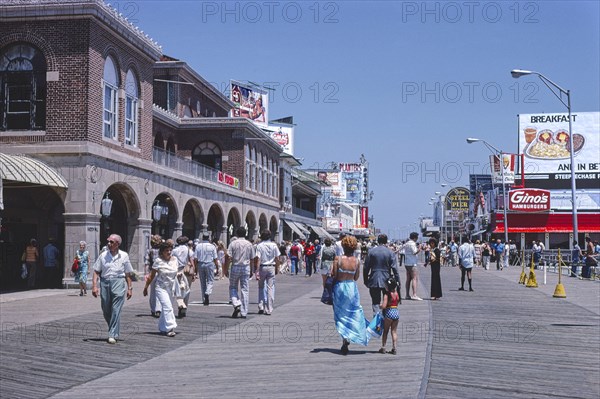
171, 333
381, 350
392, 352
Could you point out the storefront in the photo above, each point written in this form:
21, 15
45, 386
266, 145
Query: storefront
554, 229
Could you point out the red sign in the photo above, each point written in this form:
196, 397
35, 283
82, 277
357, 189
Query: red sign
364, 217
229, 180
529, 200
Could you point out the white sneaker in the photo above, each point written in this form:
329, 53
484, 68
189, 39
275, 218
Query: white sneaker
416, 298
111, 340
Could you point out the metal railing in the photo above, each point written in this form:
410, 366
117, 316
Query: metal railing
184, 165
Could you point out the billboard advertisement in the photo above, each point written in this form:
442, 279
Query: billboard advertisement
250, 102
457, 204
545, 142
283, 135
505, 168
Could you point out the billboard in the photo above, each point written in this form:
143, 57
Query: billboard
505, 168
250, 102
457, 204
545, 142
283, 135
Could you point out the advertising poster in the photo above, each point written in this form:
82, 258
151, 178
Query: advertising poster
250, 102
545, 142
283, 135
508, 164
351, 175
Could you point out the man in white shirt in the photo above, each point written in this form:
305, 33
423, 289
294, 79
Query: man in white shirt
267, 266
410, 264
114, 270
466, 254
206, 263
239, 253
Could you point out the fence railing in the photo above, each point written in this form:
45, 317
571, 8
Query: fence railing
184, 165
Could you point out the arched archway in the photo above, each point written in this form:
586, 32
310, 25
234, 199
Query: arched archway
234, 221
251, 226
274, 227
125, 209
262, 222
192, 219
164, 214
215, 221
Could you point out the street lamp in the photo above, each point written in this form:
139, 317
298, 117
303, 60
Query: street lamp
500, 155
517, 73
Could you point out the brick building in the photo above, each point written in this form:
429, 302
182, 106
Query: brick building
92, 110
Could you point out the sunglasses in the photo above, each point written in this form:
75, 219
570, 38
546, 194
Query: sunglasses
111, 241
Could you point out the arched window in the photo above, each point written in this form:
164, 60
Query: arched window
209, 154
22, 88
110, 84
131, 109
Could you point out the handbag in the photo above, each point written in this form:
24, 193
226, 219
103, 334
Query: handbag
327, 296
75, 265
23, 271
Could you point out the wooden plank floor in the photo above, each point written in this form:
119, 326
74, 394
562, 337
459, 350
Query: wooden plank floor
503, 340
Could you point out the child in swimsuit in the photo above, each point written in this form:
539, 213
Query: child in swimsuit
389, 307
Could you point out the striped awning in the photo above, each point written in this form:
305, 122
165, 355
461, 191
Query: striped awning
321, 232
21, 168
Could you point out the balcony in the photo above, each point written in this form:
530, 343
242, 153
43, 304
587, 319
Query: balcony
184, 165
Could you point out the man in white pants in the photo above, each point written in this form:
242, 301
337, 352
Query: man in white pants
239, 253
206, 263
267, 266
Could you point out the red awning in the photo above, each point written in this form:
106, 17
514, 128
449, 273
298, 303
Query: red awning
548, 223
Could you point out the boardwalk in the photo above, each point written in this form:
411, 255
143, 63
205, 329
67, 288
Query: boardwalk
503, 340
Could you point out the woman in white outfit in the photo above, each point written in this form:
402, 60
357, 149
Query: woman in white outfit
164, 269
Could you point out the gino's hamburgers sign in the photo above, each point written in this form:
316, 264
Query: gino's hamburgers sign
529, 200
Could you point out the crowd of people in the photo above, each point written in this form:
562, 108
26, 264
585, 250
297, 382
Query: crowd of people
172, 267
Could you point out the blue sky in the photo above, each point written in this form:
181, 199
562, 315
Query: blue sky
402, 82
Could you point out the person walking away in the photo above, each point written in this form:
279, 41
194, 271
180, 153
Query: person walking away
318, 249
294, 258
401, 254
453, 253
221, 258
309, 253
283, 258
348, 314
391, 316
83, 256
485, 255
185, 274
164, 270
465, 254
31, 258
434, 261
499, 254
576, 256
267, 266
379, 263
151, 255
51, 265
537, 254
410, 264
239, 253
207, 260
113, 269
327, 257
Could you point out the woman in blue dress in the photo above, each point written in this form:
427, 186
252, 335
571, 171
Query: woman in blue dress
82, 273
347, 312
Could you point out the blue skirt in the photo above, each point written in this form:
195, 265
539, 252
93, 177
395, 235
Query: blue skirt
348, 314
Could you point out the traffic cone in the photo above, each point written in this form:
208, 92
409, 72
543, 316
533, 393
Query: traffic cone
523, 276
531, 281
559, 291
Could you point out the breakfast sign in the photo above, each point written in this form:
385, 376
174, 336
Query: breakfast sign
544, 140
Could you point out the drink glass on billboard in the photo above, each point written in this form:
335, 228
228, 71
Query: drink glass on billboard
530, 133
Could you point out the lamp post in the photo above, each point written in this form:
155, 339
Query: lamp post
500, 155
517, 73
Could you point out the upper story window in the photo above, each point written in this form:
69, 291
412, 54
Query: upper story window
131, 109
110, 85
209, 154
22, 88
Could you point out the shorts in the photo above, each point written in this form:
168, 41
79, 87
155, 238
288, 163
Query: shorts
391, 313
409, 268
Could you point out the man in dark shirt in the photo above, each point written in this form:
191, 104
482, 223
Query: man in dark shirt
376, 270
